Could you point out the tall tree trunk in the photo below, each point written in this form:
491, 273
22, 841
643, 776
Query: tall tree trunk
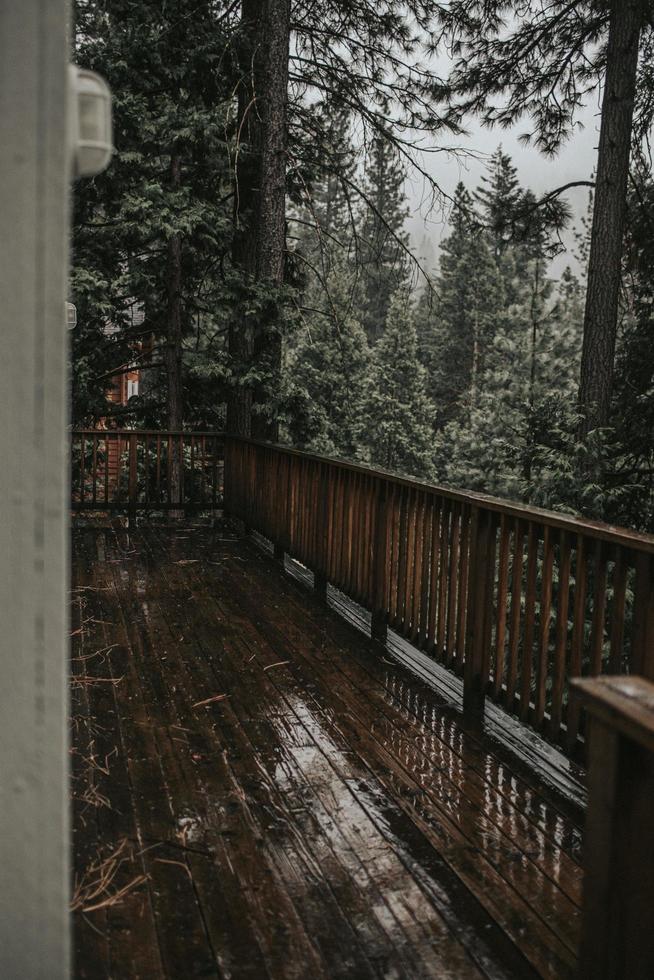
271, 248
601, 315
173, 352
260, 213
247, 168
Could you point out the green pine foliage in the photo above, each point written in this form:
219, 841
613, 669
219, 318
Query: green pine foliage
169, 76
457, 330
384, 242
327, 371
398, 416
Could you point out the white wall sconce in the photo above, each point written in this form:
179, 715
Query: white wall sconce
90, 122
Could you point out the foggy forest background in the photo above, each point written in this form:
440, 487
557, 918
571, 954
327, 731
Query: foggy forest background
248, 246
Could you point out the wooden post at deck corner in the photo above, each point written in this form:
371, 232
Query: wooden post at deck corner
379, 620
617, 939
474, 696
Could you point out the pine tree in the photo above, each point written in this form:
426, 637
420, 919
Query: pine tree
457, 335
500, 198
327, 371
398, 413
384, 240
149, 232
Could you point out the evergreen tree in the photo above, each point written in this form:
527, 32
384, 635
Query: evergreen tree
504, 71
384, 240
327, 371
149, 233
500, 198
456, 333
398, 414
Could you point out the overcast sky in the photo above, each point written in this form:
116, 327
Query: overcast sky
536, 172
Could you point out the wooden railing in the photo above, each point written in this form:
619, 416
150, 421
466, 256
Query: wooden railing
515, 600
129, 470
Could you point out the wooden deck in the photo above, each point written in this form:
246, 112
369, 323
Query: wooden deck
328, 816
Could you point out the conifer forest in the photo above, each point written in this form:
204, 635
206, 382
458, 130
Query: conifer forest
250, 249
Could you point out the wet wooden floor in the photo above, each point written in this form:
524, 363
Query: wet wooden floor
258, 792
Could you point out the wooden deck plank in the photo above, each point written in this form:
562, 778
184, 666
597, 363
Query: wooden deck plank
327, 819
334, 928
440, 887
255, 691
481, 875
346, 709
466, 767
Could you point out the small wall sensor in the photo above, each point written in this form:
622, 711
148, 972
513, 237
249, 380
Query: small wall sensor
90, 122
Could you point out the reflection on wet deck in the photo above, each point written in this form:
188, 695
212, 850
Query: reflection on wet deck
277, 798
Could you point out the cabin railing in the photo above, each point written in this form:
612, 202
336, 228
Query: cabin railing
136, 470
515, 600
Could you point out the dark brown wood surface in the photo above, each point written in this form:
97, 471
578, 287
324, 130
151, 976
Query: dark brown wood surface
514, 599
618, 904
326, 816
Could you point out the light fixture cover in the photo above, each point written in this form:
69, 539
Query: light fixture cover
91, 130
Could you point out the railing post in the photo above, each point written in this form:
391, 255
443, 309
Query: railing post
617, 928
379, 621
133, 479
474, 695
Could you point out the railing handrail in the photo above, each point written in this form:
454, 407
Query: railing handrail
598, 530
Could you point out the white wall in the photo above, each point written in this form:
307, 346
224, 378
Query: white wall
34, 940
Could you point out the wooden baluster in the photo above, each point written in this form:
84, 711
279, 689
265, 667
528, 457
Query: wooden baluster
322, 515
416, 587
82, 470
379, 619
429, 504
561, 636
530, 616
394, 555
182, 481
473, 687
436, 535
402, 558
450, 642
169, 469
542, 668
517, 566
158, 493
442, 578
618, 612
462, 588
573, 713
133, 478
407, 591
106, 469
642, 657
502, 604
214, 471
599, 611
489, 601
94, 469
192, 497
